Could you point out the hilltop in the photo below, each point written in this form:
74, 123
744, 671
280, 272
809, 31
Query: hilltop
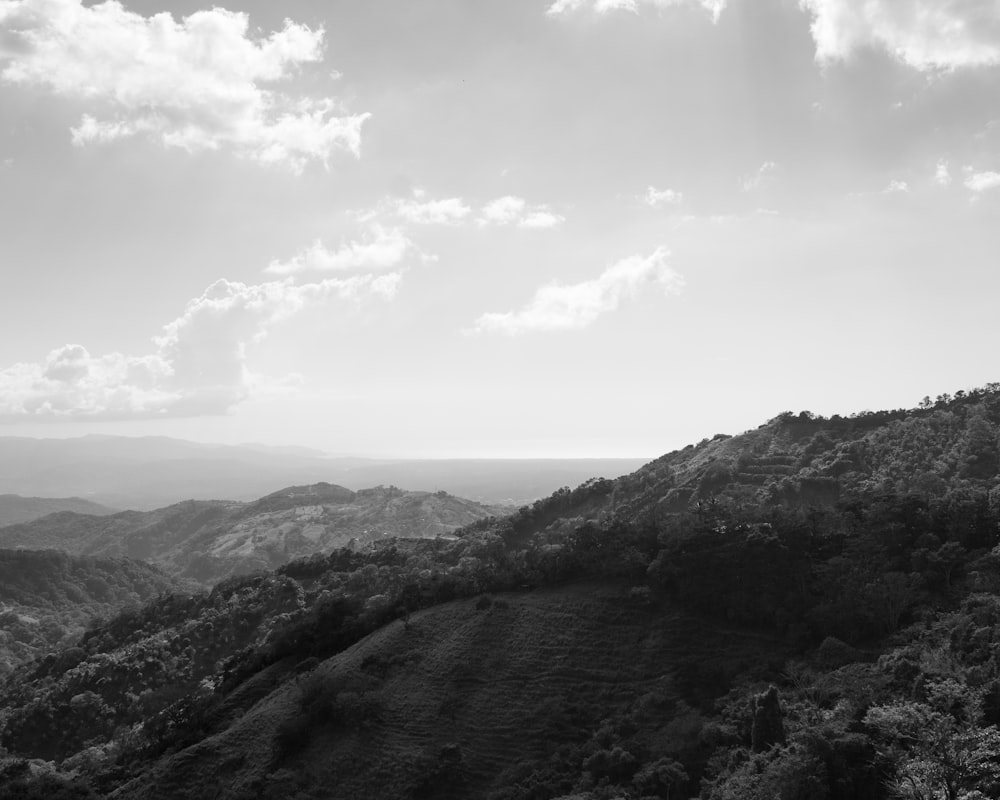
802, 610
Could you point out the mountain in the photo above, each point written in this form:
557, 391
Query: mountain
809, 609
146, 473
209, 540
48, 598
15, 509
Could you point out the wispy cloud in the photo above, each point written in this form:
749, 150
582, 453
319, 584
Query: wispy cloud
942, 175
557, 307
512, 210
197, 366
657, 198
763, 177
925, 34
713, 7
196, 84
378, 249
982, 181
896, 187
420, 209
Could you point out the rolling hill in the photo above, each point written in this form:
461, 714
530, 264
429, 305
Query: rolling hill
15, 509
210, 540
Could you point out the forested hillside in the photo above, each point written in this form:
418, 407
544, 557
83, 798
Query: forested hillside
48, 598
807, 610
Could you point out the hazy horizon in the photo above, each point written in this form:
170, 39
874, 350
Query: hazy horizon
545, 228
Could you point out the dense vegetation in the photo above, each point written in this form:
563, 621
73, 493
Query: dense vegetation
48, 598
852, 563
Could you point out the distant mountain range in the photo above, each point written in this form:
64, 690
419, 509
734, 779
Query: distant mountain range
15, 509
145, 473
208, 540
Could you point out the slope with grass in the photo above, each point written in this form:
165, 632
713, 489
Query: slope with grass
465, 697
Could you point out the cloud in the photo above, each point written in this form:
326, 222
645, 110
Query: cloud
379, 249
982, 181
896, 187
942, 175
511, 210
557, 307
197, 84
657, 198
713, 7
198, 364
925, 34
763, 177
449, 211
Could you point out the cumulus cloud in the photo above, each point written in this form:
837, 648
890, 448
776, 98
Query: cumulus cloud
713, 7
657, 198
200, 83
896, 187
982, 181
558, 307
925, 34
379, 249
423, 211
197, 366
511, 210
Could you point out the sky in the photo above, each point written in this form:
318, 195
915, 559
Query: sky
492, 228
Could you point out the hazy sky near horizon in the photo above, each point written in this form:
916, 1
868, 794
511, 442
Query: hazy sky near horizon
492, 228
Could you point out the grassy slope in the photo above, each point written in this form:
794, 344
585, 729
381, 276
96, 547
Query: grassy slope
503, 683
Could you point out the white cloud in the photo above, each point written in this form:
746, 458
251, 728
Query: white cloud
556, 307
942, 175
198, 365
379, 249
764, 176
661, 197
449, 211
896, 187
925, 34
196, 84
982, 181
511, 210
713, 7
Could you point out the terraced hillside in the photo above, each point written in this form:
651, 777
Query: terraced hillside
468, 698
